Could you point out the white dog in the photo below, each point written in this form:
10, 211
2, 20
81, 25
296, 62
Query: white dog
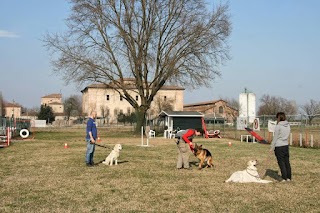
113, 156
250, 175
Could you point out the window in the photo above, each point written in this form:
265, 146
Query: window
137, 97
115, 112
121, 98
121, 111
108, 97
165, 98
220, 109
128, 111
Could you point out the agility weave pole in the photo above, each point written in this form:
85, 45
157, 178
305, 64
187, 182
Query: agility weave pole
142, 136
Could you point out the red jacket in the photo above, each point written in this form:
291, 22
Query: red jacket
189, 134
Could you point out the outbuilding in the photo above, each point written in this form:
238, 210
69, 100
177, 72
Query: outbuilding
175, 120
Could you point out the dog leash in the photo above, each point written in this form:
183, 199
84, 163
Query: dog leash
256, 176
267, 165
101, 146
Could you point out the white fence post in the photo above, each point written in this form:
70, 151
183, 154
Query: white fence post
290, 139
300, 140
311, 142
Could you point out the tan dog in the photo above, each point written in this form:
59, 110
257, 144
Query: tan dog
250, 174
113, 156
203, 155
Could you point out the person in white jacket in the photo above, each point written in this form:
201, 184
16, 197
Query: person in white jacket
280, 145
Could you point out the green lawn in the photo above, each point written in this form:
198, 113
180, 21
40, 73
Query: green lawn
40, 175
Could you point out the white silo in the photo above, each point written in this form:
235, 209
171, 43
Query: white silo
247, 102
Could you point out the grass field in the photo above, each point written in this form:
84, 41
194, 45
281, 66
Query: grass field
40, 175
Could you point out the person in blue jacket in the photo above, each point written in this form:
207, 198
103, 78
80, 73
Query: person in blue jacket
91, 137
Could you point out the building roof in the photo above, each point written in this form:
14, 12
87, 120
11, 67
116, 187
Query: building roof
57, 95
129, 86
215, 116
180, 114
203, 103
7, 104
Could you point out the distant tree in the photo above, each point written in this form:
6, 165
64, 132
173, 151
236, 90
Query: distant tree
127, 118
46, 113
105, 112
121, 118
270, 105
1, 105
235, 107
311, 109
73, 106
132, 118
154, 42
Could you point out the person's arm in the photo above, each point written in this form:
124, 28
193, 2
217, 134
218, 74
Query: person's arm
186, 136
275, 137
90, 132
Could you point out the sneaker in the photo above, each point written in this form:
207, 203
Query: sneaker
89, 165
288, 180
283, 181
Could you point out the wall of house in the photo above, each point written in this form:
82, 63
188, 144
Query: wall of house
57, 108
15, 111
96, 99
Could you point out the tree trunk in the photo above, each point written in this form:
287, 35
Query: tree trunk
141, 118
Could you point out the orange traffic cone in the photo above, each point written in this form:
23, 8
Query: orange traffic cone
98, 139
65, 145
229, 144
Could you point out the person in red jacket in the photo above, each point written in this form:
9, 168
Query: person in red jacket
183, 140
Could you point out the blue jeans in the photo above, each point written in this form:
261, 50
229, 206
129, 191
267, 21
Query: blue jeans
90, 152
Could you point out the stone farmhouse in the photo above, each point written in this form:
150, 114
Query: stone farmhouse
216, 111
12, 110
109, 104
55, 102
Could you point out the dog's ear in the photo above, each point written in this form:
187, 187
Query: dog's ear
200, 146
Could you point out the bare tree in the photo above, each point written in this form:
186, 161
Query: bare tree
105, 111
73, 106
154, 42
270, 105
311, 109
1, 105
161, 104
233, 107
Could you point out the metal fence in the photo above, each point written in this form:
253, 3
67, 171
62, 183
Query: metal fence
15, 125
305, 130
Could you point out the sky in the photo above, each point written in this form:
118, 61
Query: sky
274, 49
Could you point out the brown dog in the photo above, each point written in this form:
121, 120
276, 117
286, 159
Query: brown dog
203, 155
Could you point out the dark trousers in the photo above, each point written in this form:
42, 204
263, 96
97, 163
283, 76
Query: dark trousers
282, 154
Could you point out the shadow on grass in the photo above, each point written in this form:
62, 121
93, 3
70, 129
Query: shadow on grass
194, 163
119, 162
273, 174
